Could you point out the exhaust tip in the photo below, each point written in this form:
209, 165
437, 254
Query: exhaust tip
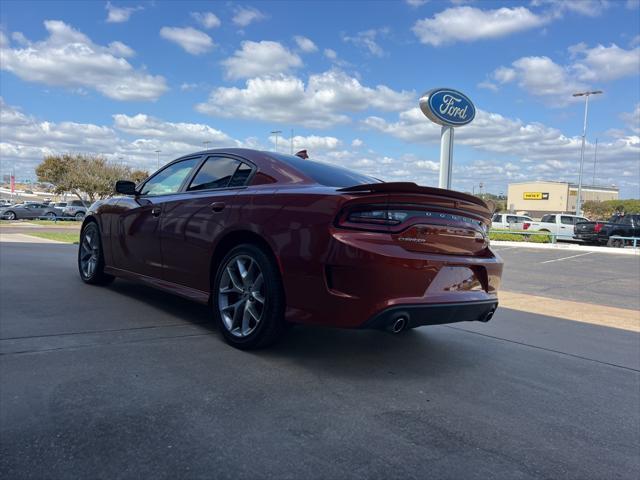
488, 316
398, 325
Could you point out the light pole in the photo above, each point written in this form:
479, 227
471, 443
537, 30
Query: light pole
586, 96
206, 144
158, 164
595, 160
276, 133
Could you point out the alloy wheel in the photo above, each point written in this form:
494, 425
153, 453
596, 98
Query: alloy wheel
241, 295
89, 251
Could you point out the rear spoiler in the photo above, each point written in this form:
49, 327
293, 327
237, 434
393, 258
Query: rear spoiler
410, 187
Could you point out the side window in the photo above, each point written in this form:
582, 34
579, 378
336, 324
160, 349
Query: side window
547, 218
511, 219
241, 176
169, 179
496, 217
581, 219
626, 220
216, 172
566, 220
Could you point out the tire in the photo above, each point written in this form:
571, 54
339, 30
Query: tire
51, 215
10, 215
79, 215
91, 256
615, 243
249, 311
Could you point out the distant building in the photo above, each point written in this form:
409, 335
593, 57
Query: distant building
541, 197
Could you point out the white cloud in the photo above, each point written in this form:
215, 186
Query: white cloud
542, 77
632, 119
601, 64
416, 3
191, 40
512, 142
119, 14
68, 58
322, 103
557, 8
305, 44
367, 41
244, 16
467, 24
330, 54
206, 19
260, 58
145, 126
312, 143
357, 143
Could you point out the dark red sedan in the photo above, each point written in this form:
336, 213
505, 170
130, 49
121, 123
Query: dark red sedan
269, 240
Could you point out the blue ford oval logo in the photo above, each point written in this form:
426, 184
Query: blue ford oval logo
447, 107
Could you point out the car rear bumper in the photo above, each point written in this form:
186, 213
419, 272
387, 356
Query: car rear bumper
363, 281
589, 237
433, 314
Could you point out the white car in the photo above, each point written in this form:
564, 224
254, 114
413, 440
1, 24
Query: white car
510, 221
560, 224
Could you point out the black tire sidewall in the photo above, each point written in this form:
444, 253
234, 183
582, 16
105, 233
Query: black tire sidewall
272, 323
11, 216
98, 277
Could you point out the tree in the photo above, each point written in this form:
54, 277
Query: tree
91, 176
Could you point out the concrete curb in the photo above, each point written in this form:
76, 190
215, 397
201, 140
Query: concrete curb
567, 247
23, 238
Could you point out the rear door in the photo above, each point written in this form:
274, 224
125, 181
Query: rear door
193, 220
137, 247
565, 227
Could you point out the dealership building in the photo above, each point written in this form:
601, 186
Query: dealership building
542, 197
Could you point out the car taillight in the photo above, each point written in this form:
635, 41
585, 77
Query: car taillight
525, 226
598, 227
376, 217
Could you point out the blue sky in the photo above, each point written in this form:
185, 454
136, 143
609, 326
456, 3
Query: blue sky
124, 79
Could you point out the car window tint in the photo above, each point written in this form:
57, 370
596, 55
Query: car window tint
241, 176
324, 173
511, 219
216, 172
170, 179
496, 217
566, 220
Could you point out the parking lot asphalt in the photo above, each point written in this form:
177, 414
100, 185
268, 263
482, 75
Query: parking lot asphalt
598, 278
127, 382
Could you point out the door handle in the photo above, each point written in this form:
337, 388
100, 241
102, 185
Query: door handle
217, 206
155, 211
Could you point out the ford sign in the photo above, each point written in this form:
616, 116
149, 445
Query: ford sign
447, 107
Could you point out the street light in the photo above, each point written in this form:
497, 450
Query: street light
586, 96
206, 144
158, 152
276, 133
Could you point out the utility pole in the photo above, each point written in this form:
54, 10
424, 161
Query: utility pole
206, 144
595, 160
586, 96
291, 141
276, 133
158, 160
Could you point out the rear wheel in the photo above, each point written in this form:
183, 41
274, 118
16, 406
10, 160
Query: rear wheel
10, 215
248, 298
615, 242
79, 215
91, 256
51, 215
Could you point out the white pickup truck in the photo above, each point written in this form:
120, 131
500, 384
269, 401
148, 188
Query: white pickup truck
559, 224
509, 221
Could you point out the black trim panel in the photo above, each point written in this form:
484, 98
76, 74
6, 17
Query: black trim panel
434, 314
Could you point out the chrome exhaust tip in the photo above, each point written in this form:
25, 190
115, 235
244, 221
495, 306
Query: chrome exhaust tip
398, 325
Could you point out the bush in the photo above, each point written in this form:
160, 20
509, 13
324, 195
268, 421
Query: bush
604, 210
506, 236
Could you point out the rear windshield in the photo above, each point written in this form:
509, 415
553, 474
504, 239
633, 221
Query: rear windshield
324, 173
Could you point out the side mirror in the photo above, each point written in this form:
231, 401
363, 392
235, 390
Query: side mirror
126, 187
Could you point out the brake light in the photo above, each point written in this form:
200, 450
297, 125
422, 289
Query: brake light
378, 217
525, 226
598, 227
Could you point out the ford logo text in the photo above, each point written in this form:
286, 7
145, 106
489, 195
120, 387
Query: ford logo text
447, 107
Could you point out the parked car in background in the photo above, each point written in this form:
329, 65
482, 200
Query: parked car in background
60, 205
560, 224
76, 209
5, 202
267, 239
601, 232
510, 221
29, 210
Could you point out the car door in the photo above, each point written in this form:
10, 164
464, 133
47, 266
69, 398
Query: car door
35, 210
137, 237
193, 220
565, 227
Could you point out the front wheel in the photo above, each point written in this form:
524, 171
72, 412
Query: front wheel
10, 215
91, 256
79, 215
248, 298
51, 215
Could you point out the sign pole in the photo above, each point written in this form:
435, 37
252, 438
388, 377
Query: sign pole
446, 156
